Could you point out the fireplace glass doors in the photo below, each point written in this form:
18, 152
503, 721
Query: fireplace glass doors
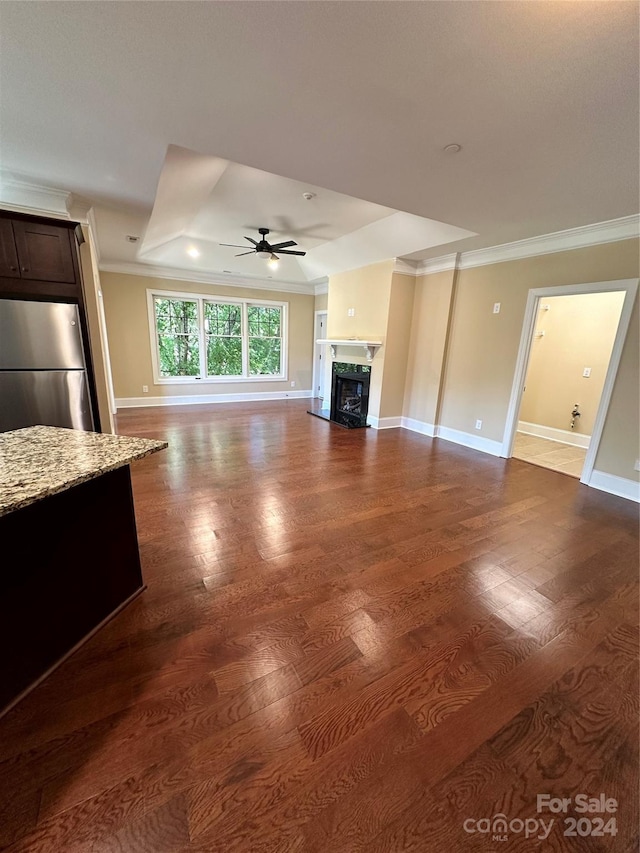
350, 394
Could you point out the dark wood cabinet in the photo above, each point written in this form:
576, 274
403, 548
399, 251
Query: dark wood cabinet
59, 584
38, 258
45, 252
8, 253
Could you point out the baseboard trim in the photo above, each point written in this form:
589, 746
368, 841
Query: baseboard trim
421, 427
199, 399
475, 442
619, 486
384, 423
564, 436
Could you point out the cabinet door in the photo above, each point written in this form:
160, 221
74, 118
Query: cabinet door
44, 252
8, 255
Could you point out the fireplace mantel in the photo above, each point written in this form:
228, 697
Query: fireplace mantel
370, 347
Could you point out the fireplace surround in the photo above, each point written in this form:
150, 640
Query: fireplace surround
350, 394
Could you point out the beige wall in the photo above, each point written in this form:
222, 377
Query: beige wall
579, 332
321, 301
430, 323
125, 303
383, 304
91, 289
619, 449
484, 346
367, 290
397, 345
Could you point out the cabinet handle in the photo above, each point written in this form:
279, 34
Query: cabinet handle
13, 269
25, 269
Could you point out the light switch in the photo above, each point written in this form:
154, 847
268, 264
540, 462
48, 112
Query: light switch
586, 372
496, 307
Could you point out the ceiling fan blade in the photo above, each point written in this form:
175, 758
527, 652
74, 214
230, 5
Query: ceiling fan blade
290, 252
276, 246
233, 245
251, 240
250, 252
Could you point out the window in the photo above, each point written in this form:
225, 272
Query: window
177, 330
223, 328
264, 340
216, 339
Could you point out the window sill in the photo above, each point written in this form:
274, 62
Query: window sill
226, 380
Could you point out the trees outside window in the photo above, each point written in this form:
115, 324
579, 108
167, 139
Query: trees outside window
265, 338
200, 337
223, 328
178, 337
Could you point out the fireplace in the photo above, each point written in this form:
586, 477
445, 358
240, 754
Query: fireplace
350, 394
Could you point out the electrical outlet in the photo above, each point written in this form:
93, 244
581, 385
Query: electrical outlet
496, 307
478, 424
351, 312
145, 389
636, 467
293, 383
586, 372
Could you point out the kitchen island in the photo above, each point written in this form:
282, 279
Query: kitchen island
68, 545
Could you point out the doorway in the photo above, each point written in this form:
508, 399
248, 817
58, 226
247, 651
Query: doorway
319, 372
570, 347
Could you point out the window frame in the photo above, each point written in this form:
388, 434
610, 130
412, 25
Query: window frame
200, 299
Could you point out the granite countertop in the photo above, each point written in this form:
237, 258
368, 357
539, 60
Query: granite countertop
40, 461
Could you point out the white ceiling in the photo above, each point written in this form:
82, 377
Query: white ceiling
203, 202
359, 98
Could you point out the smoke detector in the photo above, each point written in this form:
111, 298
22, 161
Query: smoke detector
308, 196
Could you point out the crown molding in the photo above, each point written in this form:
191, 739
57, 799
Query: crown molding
26, 197
442, 264
405, 267
611, 231
223, 279
79, 209
625, 228
321, 287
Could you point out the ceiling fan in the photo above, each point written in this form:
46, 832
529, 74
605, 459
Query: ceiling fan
263, 249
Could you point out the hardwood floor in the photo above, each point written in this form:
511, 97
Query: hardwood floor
350, 640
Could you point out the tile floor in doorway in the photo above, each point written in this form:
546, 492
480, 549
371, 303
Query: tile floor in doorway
550, 454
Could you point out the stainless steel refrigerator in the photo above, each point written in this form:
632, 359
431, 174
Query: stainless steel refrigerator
43, 374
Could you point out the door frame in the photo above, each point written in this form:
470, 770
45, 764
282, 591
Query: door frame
630, 286
317, 350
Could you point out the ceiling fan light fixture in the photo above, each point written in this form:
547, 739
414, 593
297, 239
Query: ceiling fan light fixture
265, 250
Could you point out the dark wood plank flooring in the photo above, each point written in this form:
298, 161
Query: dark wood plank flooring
350, 640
